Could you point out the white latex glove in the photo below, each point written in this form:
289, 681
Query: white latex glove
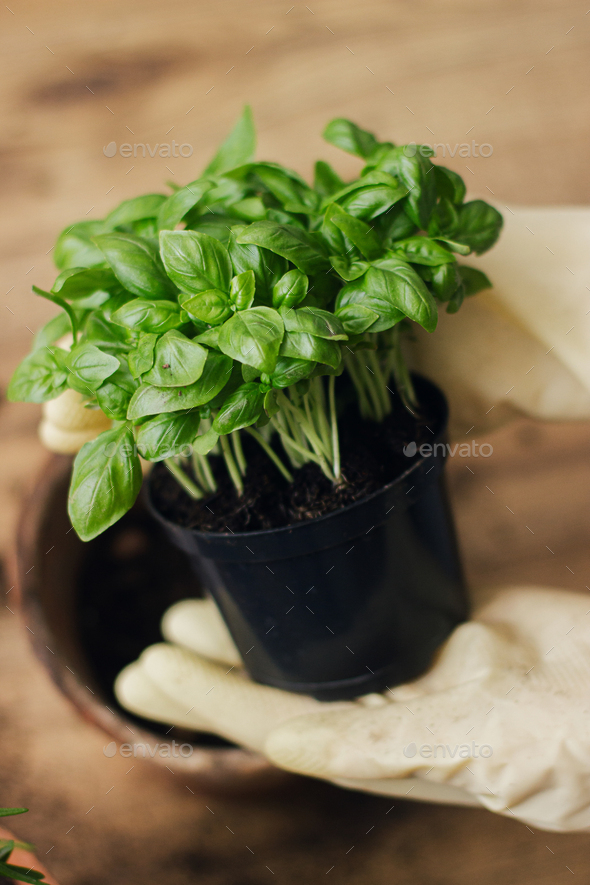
523, 346
67, 425
507, 699
537, 316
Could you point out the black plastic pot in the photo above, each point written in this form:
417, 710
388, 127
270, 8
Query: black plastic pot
349, 603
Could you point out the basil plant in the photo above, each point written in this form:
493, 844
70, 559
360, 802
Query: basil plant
229, 306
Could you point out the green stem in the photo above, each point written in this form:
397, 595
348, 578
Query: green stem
270, 452
209, 483
364, 405
310, 433
401, 373
238, 451
334, 423
371, 388
187, 484
231, 465
320, 413
307, 454
380, 382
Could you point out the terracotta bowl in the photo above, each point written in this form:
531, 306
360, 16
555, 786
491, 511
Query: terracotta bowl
65, 587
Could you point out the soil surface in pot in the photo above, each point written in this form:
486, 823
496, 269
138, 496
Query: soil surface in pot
371, 454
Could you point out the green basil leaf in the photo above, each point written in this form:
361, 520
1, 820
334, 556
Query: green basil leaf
209, 337
195, 261
356, 319
137, 209
105, 482
211, 307
326, 180
320, 323
270, 405
167, 435
287, 186
423, 250
460, 248
241, 409
302, 345
242, 289
207, 441
457, 299
99, 330
141, 358
445, 280
268, 267
372, 292
349, 137
417, 173
178, 361
250, 209
359, 233
449, 184
56, 328
41, 376
290, 290
479, 226
80, 282
75, 248
253, 337
89, 367
136, 265
149, 400
348, 270
369, 202
394, 290
290, 370
237, 149
395, 225
64, 306
249, 373
20, 874
474, 280
115, 393
143, 315
176, 206
298, 246
444, 219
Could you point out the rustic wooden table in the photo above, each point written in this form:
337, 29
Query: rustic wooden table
76, 77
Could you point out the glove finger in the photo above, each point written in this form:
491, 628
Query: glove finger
235, 708
137, 693
412, 788
196, 624
536, 280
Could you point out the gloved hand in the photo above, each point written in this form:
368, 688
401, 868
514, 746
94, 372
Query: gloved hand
501, 720
482, 357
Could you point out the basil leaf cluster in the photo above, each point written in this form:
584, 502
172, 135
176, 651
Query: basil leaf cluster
226, 305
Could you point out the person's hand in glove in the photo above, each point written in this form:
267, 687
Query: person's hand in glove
501, 720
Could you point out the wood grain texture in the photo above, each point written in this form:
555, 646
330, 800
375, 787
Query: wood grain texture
512, 73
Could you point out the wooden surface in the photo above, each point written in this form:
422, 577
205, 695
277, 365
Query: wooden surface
78, 76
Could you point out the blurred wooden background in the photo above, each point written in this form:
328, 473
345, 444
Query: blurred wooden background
77, 76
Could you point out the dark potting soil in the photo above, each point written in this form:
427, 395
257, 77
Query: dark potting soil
371, 454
